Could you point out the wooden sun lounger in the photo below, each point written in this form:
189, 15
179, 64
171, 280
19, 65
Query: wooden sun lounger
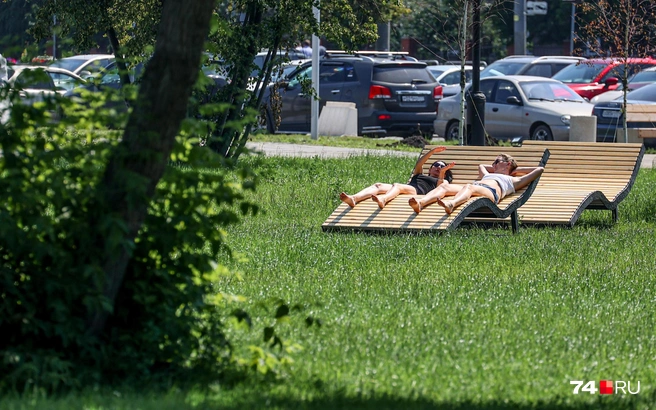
399, 216
580, 176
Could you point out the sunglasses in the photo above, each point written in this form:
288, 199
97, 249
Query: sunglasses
438, 164
498, 161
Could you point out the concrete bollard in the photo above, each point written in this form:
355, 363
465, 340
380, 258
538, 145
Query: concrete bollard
338, 118
583, 128
632, 135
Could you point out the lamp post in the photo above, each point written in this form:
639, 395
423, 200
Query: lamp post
571, 25
314, 108
476, 98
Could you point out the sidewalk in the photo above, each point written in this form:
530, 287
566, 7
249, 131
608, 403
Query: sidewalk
296, 150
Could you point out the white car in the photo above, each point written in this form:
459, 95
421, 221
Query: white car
37, 83
518, 106
84, 65
449, 77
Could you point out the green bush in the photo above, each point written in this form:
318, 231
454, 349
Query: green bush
164, 321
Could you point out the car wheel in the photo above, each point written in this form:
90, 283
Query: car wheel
452, 131
542, 133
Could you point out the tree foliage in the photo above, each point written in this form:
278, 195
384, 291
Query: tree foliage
109, 252
620, 29
437, 27
246, 27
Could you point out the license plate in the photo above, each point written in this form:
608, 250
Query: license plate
610, 114
412, 98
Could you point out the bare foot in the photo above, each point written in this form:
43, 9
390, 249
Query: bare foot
415, 205
347, 199
380, 202
447, 205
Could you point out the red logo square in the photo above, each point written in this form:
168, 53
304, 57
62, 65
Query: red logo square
606, 387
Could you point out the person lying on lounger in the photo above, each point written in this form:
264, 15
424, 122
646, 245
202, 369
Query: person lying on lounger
497, 181
418, 184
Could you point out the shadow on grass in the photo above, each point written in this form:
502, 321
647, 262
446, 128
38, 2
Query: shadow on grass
392, 403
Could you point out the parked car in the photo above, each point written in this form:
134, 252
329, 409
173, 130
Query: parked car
518, 106
639, 80
110, 79
38, 83
392, 97
282, 57
449, 77
85, 65
596, 76
610, 118
544, 66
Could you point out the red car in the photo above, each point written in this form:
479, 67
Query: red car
596, 76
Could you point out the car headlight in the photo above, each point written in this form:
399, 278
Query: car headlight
565, 119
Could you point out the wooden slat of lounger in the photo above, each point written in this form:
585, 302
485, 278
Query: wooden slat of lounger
577, 174
397, 215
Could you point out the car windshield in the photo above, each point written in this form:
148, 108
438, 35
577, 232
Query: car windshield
580, 73
549, 91
646, 93
436, 72
70, 64
644, 77
505, 68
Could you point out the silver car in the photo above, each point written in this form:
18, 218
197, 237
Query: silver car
518, 106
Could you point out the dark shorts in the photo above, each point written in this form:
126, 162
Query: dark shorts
494, 191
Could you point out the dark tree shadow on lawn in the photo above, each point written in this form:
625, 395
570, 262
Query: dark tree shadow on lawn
392, 403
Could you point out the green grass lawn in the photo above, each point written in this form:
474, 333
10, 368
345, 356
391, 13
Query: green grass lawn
473, 319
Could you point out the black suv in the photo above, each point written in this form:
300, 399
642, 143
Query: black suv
392, 96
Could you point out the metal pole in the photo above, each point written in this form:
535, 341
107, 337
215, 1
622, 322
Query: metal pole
383, 42
477, 103
519, 11
314, 121
571, 30
54, 37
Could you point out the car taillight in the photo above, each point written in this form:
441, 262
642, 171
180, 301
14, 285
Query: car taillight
438, 93
384, 117
378, 91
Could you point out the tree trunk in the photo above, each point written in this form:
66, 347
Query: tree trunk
120, 62
139, 161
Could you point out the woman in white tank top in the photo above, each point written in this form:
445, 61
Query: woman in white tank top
497, 181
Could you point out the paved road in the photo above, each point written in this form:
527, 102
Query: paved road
296, 150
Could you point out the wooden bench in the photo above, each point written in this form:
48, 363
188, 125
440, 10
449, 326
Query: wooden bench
639, 113
580, 176
399, 216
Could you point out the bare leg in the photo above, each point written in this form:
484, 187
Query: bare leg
464, 195
418, 204
375, 189
392, 193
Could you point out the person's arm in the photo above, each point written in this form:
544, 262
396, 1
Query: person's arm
440, 178
521, 182
519, 171
419, 168
483, 170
